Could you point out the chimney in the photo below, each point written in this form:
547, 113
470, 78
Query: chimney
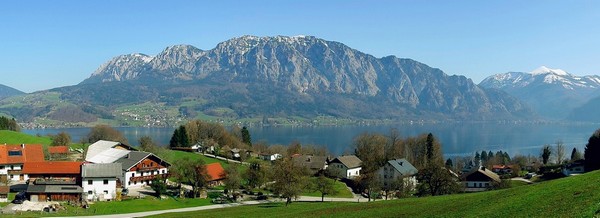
400, 163
23, 146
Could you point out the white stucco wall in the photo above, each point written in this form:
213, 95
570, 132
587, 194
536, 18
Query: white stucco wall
99, 190
129, 175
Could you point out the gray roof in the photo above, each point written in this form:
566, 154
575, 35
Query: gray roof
312, 162
54, 189
102, 170
130, 160
403, 167
350, 161
102, 146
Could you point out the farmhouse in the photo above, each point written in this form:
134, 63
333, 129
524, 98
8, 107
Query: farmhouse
314, 164
100, 181
480, 180
53, 181
346, 166
216, 174
140, 168
106, 151
396, 170
577, 167
271, 157
12, 158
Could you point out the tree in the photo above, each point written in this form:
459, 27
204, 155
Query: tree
105, 132
434, 150
256, 174
246, 136
294, 148
147, 144
61, 138
289, 179
190, 171
233, 180
559, 152
325, 186
179, 138
477, 158
484, 158
576, 155
546, 152
159, 186
592, 152
436, 180
370, 149
9, 124
370, 183
449, 164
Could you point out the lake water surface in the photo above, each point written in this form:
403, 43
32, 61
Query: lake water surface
456, 138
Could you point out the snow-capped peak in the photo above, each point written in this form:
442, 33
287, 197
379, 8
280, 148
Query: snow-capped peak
545, 70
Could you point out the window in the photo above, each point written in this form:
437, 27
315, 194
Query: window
15, 153
135, 183
1, 167
105, 192
105, 182
132, 174
90, 182
89, 192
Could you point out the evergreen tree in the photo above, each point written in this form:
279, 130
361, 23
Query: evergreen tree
477, 158
546, 152
9, 124
575, 155
179, 138
484, 157
592, 152
449, 164
246, 136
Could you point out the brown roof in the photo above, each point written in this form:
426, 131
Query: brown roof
54, 167
312, 162
215, 171
350, 161
11, 154
485, 172
58, 150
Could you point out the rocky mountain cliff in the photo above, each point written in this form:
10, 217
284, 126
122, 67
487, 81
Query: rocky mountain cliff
552, 93
300, 77
308, 67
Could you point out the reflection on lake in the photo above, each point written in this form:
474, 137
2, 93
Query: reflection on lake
456, 138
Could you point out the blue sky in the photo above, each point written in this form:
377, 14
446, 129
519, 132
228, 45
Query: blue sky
47, 44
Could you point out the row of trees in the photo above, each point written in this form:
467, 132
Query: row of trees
206, 133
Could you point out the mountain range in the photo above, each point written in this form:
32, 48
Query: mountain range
6, 91
250, 77
552, 93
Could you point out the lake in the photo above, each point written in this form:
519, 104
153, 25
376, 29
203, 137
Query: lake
456, 138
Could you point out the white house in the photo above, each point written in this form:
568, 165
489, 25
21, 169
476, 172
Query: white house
576, 167
140, 168
394, 170
480, 180
271, 157
99, 181
346, 166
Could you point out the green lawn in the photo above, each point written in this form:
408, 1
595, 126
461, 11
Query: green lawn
340, 187
577, 196
517, 183
125, 206
17, 138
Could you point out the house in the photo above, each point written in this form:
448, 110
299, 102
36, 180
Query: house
53, 181
58, 152
314, 164
235, 153
103, 151
480, 179
577, 167
4, 193
271, 157
347, 167
216, 174
502, 169
12, 158
396, 170
53, 171
140, 168
100, 181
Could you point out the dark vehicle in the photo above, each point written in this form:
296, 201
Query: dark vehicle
125, 191
261, 197
19, 198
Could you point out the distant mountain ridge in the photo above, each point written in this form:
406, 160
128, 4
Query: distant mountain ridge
6, 91
281, 76
553, 93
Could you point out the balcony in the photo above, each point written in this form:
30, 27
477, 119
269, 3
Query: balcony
145, 178
15, 172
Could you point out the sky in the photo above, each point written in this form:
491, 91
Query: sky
48, 44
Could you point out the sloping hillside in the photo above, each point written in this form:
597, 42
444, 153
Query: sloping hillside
16, 138
577, 196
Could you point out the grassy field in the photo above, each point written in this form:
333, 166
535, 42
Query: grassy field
340, 187
577, 196
125, 206
17, 138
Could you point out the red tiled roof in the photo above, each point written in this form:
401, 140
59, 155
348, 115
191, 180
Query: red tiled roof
28, 153
58, 150
53, 167
215, 171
